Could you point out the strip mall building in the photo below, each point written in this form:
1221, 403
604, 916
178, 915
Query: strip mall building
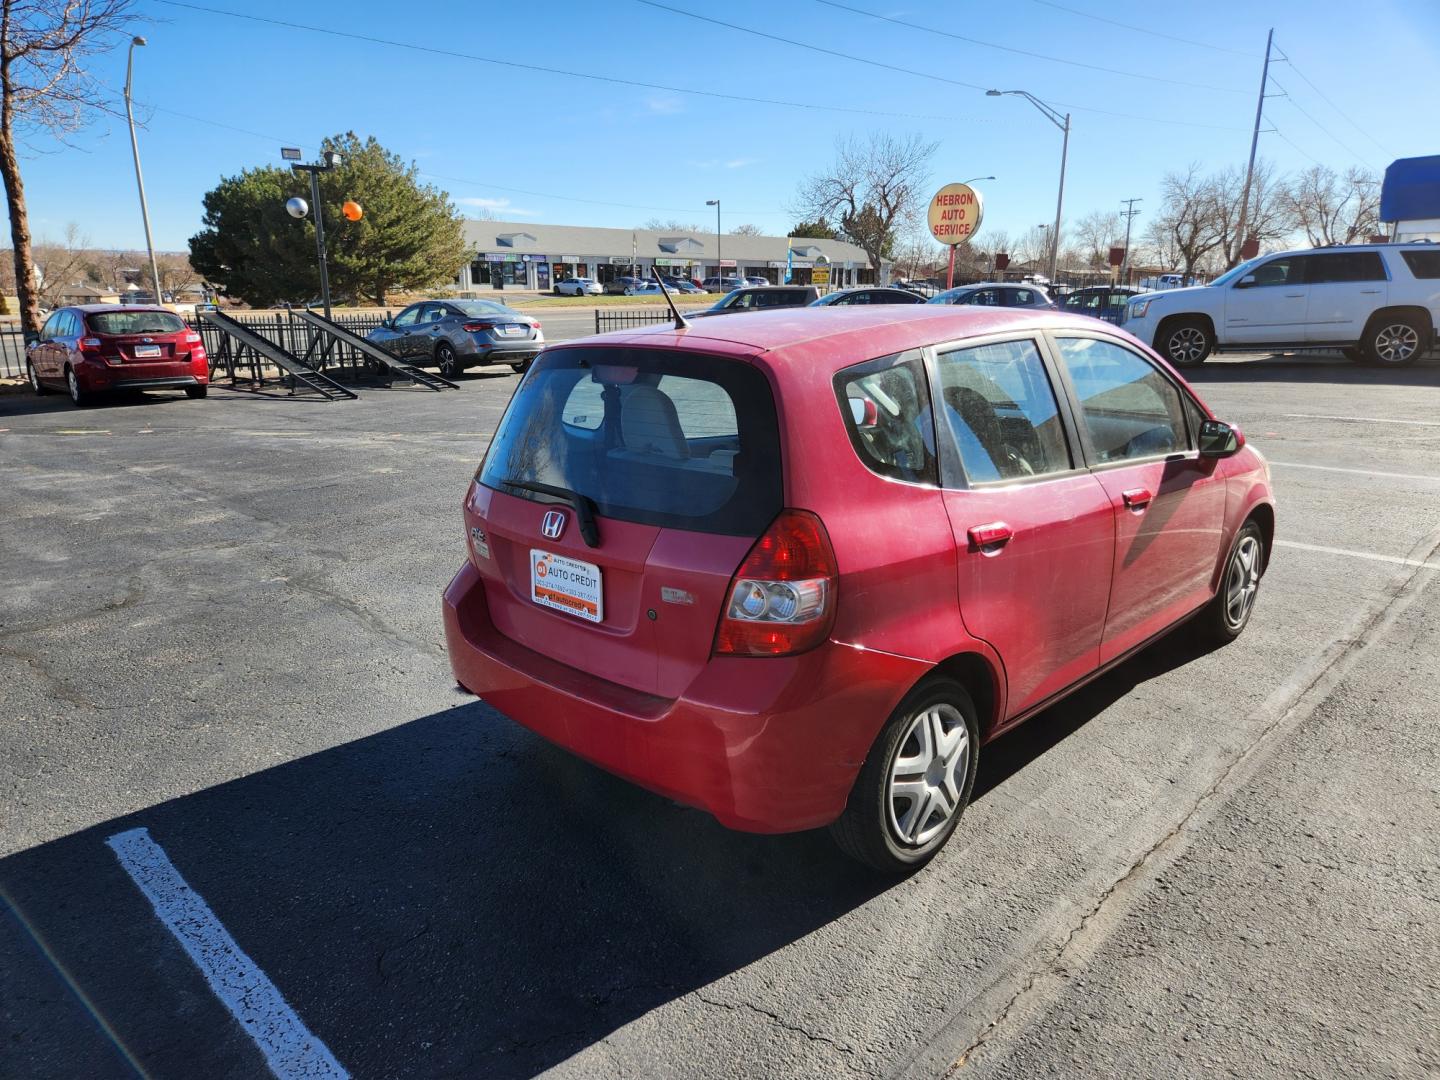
521, 255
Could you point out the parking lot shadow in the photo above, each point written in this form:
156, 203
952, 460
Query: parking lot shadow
1303, 369
448, 897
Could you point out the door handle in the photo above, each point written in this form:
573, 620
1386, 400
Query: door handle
1369, 292
990, 538
1294, 295
1137, 499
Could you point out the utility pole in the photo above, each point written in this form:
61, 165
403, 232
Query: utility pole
1130, 212
140, 179
1254, 142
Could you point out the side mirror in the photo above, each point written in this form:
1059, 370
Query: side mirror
1246, 282
863, 412
1219, 439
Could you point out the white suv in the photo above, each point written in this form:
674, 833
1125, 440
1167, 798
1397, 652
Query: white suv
1378, 302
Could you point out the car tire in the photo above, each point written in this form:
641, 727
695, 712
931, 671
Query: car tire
871, 829
1224, 619
446, 359
78, 395
36, 385
556, 290
1185, 342
196, 391
1394, 340
521, 367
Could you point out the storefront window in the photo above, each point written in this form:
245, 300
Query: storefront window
479, 272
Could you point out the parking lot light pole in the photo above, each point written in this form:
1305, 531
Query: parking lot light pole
139, 178
719, 267
328, 160
1063, 123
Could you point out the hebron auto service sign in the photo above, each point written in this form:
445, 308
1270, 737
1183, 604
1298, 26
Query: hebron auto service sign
955, 213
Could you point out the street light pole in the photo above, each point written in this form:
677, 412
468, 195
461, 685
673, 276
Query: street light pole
719, 265
1062, 121
139, 178
329, 160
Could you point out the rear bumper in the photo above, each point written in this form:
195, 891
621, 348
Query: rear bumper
763, 744
98, 375
501, 352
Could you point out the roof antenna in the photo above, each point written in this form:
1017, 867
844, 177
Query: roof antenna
680, 322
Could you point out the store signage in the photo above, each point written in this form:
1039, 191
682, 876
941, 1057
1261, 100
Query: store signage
570, 258
820, 275
495, 257
727, 262
776, 264
955, 213
620, 260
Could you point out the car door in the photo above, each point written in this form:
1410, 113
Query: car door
1346, 287
1269, 304
42, 353
1034, 530
429, 328
1136, 426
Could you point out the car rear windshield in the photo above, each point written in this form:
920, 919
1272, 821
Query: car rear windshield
135, 322
1423, 264
660, 437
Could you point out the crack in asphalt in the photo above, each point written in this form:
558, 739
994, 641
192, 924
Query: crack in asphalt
775, 1018
1333, 663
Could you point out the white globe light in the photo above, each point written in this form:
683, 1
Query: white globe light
297, 207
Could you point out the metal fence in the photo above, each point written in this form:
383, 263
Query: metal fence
629, 318
12, 352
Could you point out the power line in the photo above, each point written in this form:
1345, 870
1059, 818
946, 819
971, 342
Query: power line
1363, 131
1335, 138
1290, 142
1026, 52
486, 184
903, 70
432, 50
1142, 30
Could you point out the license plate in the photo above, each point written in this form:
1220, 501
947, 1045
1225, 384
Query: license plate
512, 330
567, 585
145, 351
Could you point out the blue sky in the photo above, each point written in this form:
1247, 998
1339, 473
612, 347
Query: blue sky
546, 147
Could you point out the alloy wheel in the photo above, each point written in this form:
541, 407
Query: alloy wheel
1187, 345
1242, 582
1396, 343
928, 774
74, 384
34, 379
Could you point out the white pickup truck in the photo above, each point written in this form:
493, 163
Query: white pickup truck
1379, 303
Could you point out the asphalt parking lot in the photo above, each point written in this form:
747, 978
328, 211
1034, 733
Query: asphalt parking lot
219, 623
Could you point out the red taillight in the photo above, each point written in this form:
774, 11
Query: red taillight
476, 327
782, 599
90, 344
193, 338
536, 324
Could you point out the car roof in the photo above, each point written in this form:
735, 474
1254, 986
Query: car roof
857, 333
98, 309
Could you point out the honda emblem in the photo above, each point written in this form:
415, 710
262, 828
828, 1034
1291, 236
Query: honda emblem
552, 525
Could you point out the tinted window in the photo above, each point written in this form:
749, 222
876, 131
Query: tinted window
433, 313
407, 317
1345, 266
663, 438
1287, 271
481, 307
1001, 411
69, 325
982, 297
1423, 264
51, 328
135, 322
1024, 298
886, 406
1129, 409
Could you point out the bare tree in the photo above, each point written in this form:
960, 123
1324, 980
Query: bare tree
176, 273
746, 230
60, 265
1184, 231
670, 225
1269, 217
1333, 209
45, 89
873, 188
1033, 246
1095, 234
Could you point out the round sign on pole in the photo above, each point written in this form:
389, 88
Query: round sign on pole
955, 213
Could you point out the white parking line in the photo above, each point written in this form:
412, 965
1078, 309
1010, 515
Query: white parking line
1360, 419
1358, 472
1371, 555
288, 1045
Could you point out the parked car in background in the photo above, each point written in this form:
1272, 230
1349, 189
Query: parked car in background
90, 349
683, 285
758, 281
1379, 303
454, 335
617, 286
1101, 301
583, 286
643, 288
715, 284
771, 296
921, 288
996, 294
868, 295
799, 575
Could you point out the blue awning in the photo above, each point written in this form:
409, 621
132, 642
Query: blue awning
1411, 191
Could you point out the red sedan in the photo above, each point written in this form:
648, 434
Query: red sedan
93, 348
797, 567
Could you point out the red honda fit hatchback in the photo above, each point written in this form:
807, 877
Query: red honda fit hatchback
796, 567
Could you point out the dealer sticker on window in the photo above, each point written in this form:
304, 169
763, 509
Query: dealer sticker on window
567, 585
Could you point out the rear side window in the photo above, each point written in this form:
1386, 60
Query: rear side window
1423, 264
886, 406
674, 439
135, 322
1345, 266
1002, 412
1129, 409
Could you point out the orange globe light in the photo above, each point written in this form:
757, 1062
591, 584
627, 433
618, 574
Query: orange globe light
352, 210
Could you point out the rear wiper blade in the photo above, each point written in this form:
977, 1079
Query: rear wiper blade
584, 507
